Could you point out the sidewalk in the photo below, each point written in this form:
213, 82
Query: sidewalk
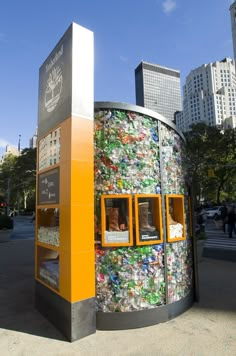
208, 328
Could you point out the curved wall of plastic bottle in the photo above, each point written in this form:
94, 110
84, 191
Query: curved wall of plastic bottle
138, 151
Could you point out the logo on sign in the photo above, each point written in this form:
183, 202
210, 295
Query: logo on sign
53, 89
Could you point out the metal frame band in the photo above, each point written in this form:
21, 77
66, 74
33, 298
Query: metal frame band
143, 318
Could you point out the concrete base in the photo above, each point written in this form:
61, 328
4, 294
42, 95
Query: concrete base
74, 320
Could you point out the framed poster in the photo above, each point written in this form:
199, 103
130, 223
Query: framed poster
48, 187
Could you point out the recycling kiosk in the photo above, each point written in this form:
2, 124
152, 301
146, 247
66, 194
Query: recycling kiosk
144, 264
113, 247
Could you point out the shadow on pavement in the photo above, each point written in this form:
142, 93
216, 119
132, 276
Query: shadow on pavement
217, 285
17, 311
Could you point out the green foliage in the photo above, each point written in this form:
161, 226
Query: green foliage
18, 175
6, 222
210, 149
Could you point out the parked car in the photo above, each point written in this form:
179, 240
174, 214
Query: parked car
214, 212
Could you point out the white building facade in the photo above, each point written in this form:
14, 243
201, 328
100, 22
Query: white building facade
209, 95
10, 150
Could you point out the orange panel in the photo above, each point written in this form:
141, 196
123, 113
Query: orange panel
65, 227
82, 228
76, 251
83, 275
65, 274
82, 137
65, 183
65, 154
82, 189
82, 210
65, 251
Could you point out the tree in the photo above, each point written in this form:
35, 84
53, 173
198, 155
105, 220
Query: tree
7, 179
18, 179
25, 176
211, 161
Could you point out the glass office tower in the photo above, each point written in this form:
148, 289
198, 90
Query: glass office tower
158, 88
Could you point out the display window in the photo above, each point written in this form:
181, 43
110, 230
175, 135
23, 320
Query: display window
116, 220
175, 222
48, 226
49, 149
48, 267
148, 219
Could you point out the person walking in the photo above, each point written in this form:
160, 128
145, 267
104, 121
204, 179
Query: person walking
224, 212
33, 217
231, 219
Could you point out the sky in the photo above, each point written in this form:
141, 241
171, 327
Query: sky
179, 34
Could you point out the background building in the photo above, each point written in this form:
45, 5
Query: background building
233, 25
33, 139
209, 95
13, 150
158, 88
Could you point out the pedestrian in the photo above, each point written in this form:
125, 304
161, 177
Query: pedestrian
231, 220
224, 212
33, 217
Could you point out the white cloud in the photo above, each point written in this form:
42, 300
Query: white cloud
168, 6
3, 143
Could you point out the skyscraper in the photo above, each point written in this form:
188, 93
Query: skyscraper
209, 96
158, 88
233, 25
33, 139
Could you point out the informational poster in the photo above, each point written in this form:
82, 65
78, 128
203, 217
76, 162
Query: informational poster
115, 237
48, 187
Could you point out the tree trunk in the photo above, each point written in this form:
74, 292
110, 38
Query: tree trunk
218, 193
25, 199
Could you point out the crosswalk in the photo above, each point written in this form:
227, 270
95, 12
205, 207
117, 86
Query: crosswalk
219, 240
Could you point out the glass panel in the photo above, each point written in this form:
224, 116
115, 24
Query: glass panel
175, 218
116, 220
48, 266
48, 226
148, 224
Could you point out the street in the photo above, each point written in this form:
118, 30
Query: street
24, 229
218, 244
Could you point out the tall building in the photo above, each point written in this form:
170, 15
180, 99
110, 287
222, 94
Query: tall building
158, 88
33, 139
232, 10
13, 150
209, 95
